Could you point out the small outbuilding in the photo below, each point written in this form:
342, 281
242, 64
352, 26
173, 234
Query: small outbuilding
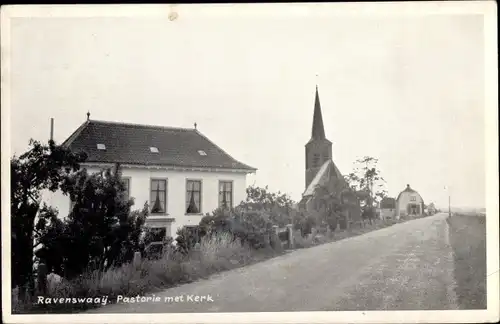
387, 208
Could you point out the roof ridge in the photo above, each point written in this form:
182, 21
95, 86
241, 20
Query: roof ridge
75, 134
139, 125
217, 146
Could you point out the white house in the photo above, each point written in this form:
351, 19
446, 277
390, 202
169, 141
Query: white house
409, 203
178, 171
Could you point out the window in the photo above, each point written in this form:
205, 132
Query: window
158, 196
158, 234
193, 197
413, 198
226, 194
154, 149
126, 183
315, 162
101, 147
201, 152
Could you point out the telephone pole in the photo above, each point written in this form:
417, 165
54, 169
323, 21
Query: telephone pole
449, 205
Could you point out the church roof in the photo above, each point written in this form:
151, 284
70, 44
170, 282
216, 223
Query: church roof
318, 129
327, 170
113, 142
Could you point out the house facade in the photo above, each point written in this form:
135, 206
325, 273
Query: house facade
178, 172
409, 203
321, 173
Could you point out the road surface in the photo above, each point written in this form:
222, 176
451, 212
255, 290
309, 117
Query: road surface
408, 266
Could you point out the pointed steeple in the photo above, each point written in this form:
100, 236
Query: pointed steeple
318, 130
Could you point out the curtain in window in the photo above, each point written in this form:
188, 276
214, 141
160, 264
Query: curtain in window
193, 197
158, 196
225, 194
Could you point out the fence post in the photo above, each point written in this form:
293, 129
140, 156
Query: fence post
267, 239
289, 228
328, 231
41, 288
137, 260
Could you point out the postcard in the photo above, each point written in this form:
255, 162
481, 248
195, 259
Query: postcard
250, 163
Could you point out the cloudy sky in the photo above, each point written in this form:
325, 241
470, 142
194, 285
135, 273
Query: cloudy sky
408, 90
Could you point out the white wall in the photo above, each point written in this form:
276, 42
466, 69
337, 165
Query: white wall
176, 194
405, 199
386, 213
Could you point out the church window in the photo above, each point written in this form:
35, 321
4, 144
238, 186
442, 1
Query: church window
315, 161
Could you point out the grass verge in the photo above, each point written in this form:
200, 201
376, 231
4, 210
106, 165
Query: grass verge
468, 240
216, 254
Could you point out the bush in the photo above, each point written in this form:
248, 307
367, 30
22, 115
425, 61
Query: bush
248, 226
301, 242
275, 242
305, 223
187, 238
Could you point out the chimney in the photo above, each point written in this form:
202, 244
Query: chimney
52, 129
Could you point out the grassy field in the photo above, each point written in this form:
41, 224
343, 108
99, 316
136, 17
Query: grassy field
468, 239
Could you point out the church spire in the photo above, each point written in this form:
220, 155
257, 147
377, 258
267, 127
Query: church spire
318, 130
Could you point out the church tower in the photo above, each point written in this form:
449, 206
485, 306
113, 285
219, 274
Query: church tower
318, 149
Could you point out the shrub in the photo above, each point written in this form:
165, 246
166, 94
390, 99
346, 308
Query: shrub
187, 237
301, 242
305, 223
275, 242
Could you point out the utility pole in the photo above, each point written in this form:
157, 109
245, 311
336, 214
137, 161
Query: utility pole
449, 205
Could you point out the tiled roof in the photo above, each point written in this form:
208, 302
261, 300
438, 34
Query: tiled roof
131, 144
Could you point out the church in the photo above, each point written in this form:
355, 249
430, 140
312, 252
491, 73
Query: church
321, 173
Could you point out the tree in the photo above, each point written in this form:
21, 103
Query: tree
101, 231
368, 183
42, 167
431, 208
277, 205
327, 199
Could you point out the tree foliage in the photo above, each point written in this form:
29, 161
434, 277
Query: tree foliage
100, 231
277, 206
42, 167
328, 204
367, 181
251, 221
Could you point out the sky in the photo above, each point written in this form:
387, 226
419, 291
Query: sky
407, 90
